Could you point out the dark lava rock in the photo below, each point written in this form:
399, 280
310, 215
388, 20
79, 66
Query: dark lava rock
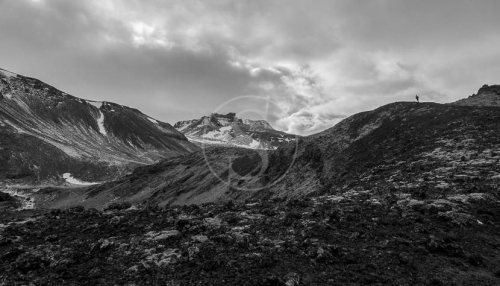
119, 206
77, 209
310, 243
4, 197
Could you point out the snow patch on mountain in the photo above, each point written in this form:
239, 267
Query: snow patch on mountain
286, 139
202, 140
100, 123
186, 125
153, 120
254, 144
183, 127
215, 134
96, 104
69, 178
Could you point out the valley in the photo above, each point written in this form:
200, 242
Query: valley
391, 196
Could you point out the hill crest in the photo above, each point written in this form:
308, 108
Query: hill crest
487, 95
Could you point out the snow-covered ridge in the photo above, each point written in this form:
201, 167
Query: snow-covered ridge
229, 130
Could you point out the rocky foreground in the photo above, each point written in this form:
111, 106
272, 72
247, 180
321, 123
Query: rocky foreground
362, 237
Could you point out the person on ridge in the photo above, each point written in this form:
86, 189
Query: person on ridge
416, 96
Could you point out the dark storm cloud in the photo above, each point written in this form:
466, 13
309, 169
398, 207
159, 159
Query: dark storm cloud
316, 61
74, 49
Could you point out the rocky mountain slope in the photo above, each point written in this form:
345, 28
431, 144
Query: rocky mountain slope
486, 96
48, 136
406, 194
423, 151
229, 130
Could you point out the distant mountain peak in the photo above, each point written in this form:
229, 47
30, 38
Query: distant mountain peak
258, 124
229, 130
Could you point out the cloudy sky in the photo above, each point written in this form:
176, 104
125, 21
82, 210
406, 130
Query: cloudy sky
308, 63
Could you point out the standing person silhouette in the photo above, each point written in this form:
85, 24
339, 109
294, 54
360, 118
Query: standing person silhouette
416, 96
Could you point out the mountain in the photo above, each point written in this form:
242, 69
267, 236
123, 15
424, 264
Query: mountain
49, 137
229, 130
419, 150
485, 96
406, 194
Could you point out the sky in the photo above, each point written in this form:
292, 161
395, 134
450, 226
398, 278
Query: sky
301, 65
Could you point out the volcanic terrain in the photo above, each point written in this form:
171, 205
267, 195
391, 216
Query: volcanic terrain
406, 194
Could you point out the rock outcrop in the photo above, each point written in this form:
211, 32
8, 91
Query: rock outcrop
359, 238
487, 95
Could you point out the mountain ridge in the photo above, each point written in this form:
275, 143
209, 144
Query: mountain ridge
405, 194
417, 149
229, 130
46, 133
486, 96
